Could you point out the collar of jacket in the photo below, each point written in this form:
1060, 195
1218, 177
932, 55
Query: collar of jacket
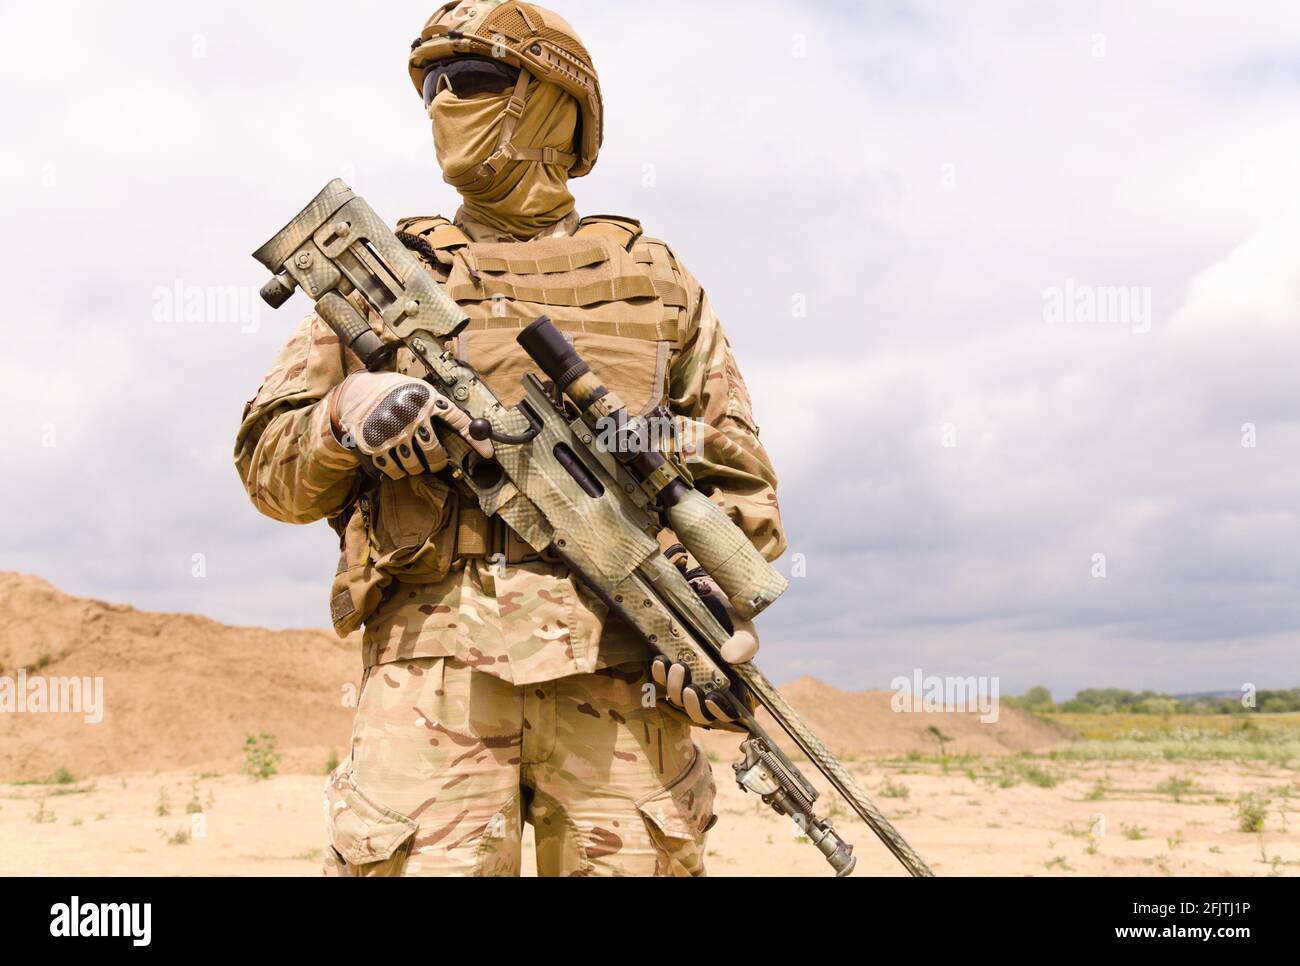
478, 232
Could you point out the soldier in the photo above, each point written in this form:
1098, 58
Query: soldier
495, 690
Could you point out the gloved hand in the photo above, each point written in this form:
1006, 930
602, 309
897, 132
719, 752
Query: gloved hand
390, 419
709, 711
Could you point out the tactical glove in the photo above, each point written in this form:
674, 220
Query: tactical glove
389, 418
709, 711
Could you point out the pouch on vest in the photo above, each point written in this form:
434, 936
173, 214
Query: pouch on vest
401, 530
594, 291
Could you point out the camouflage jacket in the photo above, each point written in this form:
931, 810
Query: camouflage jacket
409, 568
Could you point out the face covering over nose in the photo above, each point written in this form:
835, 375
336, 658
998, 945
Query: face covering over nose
520, 198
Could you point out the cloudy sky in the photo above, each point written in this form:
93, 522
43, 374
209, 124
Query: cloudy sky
905, 213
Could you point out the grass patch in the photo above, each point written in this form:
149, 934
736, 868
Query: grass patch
61, 776
892, 789
1114, 727
1008, 773
1176, 787
1251, 811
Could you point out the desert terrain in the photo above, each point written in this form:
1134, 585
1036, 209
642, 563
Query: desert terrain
158, 786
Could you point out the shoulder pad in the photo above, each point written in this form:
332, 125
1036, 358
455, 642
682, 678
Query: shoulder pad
622, 230
439, 232
670, 281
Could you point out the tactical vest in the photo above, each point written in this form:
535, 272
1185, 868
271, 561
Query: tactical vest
620, 297
617, 295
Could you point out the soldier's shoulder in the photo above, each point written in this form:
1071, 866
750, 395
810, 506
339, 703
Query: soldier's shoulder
628, 233
432, 236
620, 229
674, 286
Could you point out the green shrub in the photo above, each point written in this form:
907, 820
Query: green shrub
260, 757
1251, 809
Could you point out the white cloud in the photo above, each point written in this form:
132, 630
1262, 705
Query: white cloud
919, 178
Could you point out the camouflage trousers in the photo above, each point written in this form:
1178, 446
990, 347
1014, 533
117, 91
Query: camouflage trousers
447, 763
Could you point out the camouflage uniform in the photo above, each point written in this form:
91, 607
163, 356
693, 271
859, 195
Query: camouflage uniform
461, 759
496, 691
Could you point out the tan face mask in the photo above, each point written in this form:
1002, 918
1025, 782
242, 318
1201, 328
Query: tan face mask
520, 197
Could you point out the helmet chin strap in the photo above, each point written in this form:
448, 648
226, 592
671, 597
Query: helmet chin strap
482, 175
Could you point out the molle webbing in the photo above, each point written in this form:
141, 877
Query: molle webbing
662, 266
573, 271
473, 532
544, 257
567, 288
567, 273
654, 332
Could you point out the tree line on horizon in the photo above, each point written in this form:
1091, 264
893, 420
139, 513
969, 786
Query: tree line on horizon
1123, 701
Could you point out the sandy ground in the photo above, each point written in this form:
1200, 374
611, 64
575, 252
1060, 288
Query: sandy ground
963, 822
178, 696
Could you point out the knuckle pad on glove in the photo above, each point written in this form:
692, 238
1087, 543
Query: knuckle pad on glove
394, 413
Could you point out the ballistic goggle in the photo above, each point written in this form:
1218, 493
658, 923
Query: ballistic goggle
468, 74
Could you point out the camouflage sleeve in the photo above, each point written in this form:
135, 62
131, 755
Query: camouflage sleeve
723, 454
292, 466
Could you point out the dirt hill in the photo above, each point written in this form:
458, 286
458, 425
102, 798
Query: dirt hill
864, 723
179, 690
182, 691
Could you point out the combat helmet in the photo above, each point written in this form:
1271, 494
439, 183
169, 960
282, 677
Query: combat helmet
530, 39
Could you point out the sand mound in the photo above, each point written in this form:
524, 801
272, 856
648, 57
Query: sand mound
863, 723
182, 691
178, 690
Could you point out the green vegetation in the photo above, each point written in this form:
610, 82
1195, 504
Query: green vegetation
1118, 701
890, 789
1010, 772
1273, 738
1251, 809
1175, 786
260, 757
1100, 789
61, 776
1039, 776
1117, 724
